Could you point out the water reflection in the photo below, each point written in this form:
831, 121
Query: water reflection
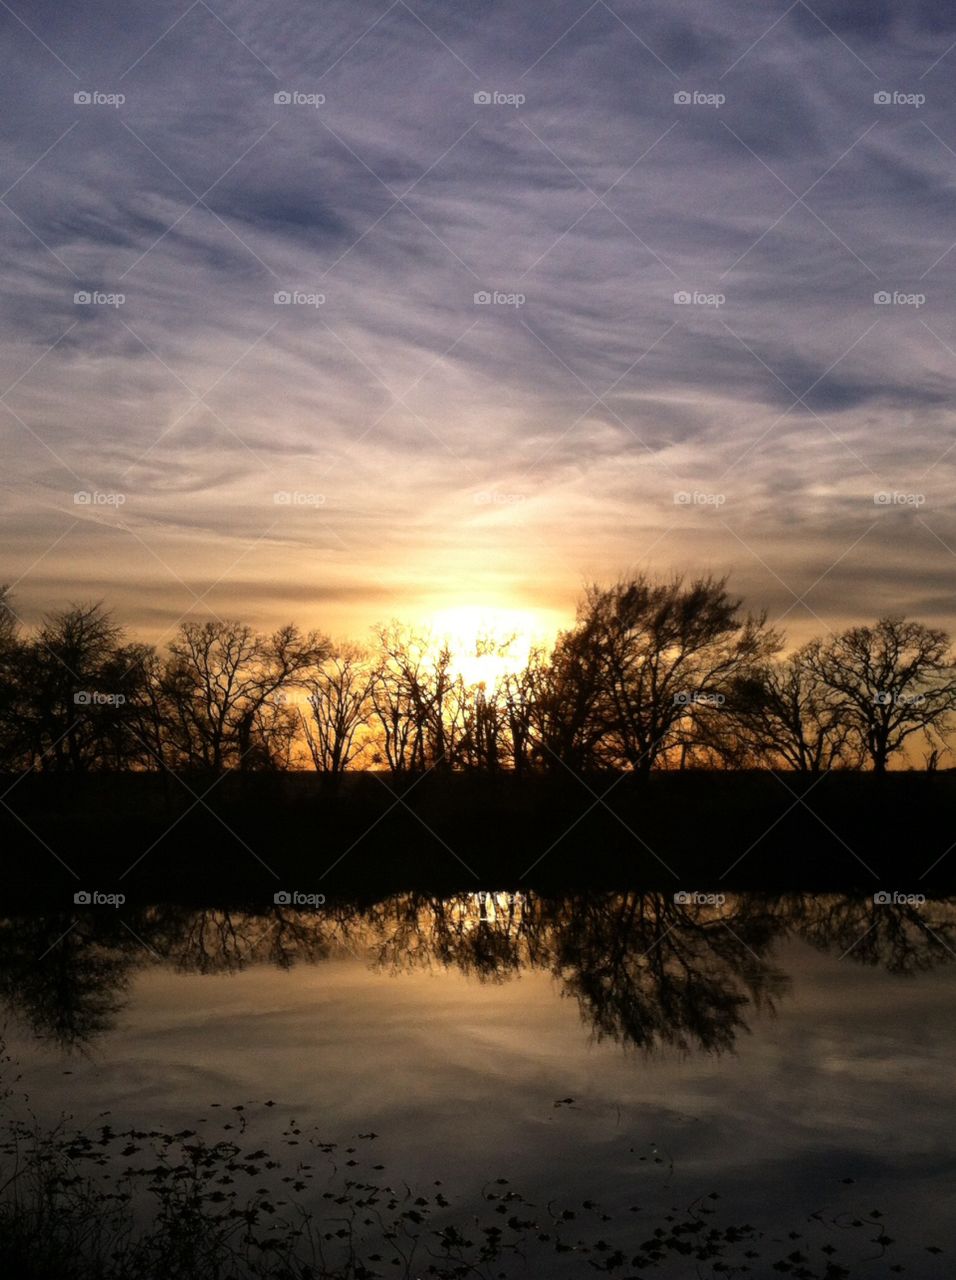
645, 971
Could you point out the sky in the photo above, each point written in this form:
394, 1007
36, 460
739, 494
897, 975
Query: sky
348, 311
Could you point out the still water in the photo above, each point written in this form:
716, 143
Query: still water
789, 1056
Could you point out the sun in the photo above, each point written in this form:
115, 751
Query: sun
487, 643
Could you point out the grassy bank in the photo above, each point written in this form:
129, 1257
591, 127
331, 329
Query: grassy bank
690, 830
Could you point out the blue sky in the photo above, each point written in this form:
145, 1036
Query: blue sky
788, 169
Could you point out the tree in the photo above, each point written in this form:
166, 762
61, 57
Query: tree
483, 711
893, 679
566, 694
223, 692
659, 655
413, 697
340, 704
11, 665
518, 692
481, 707
78, 681
784, 713
8, 619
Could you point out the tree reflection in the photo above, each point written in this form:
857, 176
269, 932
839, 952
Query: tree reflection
65, 976
903, 938
646, 971
223, 941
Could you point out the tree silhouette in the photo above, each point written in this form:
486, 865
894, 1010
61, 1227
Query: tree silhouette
655, 673
785, 713
893, 679
223, 692
649, 654
340, 702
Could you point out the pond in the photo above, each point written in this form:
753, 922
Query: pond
785, 1064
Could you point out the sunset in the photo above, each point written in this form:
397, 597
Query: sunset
477, 619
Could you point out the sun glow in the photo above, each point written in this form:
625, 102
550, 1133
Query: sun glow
487, 643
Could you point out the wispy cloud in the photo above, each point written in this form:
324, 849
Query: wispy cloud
782, 168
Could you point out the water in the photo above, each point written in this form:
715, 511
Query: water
791, 1055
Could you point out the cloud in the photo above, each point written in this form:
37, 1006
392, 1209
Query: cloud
629, 155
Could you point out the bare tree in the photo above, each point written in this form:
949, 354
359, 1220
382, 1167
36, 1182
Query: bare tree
8, 619
76, 686
224, 691
480, 709
893, 679
486, 726
785, 713
660, 654
340, 702
11, 666
518, 694
413, 700
654, 671
566, 699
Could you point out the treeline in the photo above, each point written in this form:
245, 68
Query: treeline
653, 674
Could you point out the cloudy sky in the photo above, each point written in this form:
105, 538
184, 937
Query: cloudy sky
718, 239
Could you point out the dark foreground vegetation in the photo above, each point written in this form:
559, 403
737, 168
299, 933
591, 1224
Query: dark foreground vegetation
155, 837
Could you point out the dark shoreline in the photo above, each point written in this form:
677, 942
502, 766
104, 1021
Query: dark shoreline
147, 836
